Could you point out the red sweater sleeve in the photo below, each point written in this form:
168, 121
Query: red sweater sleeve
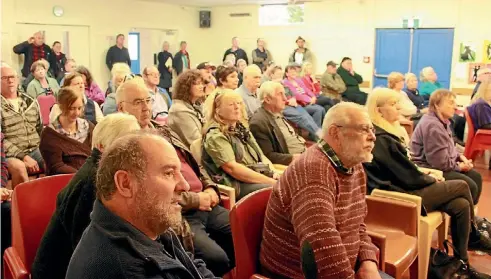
313, 222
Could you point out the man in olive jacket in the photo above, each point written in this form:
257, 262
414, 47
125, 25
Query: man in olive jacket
278, 140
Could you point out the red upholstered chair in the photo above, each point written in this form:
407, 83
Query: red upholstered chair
33, 203
46, 101
247, 221
477, 141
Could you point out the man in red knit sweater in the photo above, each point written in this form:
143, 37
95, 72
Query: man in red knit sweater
314, 225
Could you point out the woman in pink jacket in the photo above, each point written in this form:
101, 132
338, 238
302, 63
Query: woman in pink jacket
92, 90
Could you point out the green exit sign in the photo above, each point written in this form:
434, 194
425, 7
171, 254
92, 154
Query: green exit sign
410, 23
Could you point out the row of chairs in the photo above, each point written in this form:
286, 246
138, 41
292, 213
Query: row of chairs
400, 240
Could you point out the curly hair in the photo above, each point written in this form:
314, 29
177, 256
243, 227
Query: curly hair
84, 71
185, 81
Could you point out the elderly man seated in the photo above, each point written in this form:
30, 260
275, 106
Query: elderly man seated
248, 89
21, 126
211, 237
278, 140
160, 97
139, 187
334, 243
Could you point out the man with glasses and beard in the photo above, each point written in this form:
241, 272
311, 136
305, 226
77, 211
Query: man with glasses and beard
139, 188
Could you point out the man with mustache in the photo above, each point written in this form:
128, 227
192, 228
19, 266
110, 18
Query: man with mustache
206, 227
139, 186
314, 224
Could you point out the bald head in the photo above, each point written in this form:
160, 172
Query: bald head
345, 113
132, 97
38, 38
252, 77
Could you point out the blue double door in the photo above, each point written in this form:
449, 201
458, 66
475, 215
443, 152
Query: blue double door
410, 50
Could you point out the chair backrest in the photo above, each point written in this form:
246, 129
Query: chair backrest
247, 221
470, 128
195, 149
33, 204
45, 104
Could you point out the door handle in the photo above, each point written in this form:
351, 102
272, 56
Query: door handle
379, 75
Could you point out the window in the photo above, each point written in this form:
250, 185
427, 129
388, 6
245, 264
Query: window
281, 14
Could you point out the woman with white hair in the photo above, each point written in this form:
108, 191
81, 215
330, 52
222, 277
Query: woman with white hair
429, 82
413, 92
392, 169
118, 74
75, 201
231, 155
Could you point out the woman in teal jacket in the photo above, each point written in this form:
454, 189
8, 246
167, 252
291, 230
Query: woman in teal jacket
429, 82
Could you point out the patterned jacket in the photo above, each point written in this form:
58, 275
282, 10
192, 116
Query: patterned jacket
21, 129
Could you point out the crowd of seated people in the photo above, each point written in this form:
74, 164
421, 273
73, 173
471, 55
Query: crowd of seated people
148, 189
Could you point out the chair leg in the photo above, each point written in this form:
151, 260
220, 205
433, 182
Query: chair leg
424, 246
413, 269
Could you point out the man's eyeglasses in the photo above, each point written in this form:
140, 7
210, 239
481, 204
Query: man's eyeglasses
140, 102
8, 77
365, 129
153, 75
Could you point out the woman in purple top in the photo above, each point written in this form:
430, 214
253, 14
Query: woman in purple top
480, 110
302, 94
92, 90
432, 144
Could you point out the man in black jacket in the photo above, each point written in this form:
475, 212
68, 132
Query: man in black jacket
118, 53
236, 51
139, 187
33, 50
278, 140
74, 203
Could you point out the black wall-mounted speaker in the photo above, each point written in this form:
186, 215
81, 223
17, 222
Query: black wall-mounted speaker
204, 19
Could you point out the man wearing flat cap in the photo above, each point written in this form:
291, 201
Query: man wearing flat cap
332, 84
301, 54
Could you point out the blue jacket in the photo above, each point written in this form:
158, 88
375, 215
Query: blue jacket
415, 97
111, 248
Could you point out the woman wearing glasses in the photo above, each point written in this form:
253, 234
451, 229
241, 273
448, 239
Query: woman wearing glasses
230, 154
392, 169
186, 116
66, 142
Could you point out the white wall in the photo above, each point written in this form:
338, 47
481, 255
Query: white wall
105, 19
333, 29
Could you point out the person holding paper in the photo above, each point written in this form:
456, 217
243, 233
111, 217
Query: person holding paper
165, 67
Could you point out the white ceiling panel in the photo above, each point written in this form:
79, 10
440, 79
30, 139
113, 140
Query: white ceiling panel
210, 3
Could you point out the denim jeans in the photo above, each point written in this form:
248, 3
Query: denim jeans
302, 119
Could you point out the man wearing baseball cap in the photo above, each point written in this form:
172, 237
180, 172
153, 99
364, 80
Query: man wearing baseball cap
206, 69
301, 54
332, 84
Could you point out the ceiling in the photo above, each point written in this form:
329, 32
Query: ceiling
209, 3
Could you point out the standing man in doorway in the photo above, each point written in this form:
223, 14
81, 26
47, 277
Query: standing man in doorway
34, 49
236, 51
60, 59
181, 59
118, 53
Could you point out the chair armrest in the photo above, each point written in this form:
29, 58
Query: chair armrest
379, 240
399, 196
381, 213
13, 265
257, 276
229, 192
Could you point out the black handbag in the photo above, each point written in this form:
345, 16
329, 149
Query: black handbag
444, 266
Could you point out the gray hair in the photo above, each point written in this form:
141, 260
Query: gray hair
251, 70
112, 127
126, 154
410, 76
268, 88
424, 73
133, 84
341, 114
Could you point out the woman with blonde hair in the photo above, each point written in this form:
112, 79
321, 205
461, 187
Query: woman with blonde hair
395, 81
413, 92
230, 153
118, 74
309, 80
392, 169
480, 110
